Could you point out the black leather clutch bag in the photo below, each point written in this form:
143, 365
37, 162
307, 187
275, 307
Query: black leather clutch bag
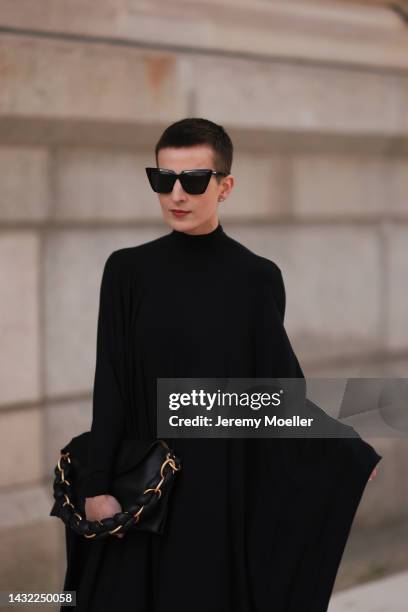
143, 478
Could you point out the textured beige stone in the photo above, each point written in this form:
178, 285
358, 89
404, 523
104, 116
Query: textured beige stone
398, 178
266, 95
64, 80
333, 185
24, 183
19, 317
32, 559
20, 506
307, 30
395, 282
21, 441
261, 187
123, 84
97, 185
380, 593
62, 422
357, 366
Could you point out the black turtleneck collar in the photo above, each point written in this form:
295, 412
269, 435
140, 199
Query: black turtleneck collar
209, 238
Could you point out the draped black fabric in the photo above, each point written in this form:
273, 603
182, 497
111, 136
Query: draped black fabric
254, 525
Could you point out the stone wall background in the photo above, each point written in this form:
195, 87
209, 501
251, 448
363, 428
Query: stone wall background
315, 98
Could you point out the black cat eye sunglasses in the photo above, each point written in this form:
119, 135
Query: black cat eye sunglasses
193, 182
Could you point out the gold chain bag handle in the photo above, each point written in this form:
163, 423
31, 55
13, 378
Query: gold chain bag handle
121, 521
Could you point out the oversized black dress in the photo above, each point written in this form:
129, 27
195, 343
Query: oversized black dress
254, 525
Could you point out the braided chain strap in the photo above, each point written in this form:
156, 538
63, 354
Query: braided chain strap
121, 521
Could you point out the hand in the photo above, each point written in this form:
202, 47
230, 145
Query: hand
373, 474
100, 507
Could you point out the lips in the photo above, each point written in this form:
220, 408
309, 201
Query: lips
179, 213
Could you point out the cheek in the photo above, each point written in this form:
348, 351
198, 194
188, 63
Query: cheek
204, 207
207, 204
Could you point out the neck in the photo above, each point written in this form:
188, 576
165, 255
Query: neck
204, 228
209, 238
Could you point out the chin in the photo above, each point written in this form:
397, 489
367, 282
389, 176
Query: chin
181, 224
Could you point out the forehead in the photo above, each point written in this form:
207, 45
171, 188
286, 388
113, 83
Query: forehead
185, 158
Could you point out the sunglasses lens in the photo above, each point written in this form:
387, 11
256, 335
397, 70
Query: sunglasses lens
196, 182
160, 182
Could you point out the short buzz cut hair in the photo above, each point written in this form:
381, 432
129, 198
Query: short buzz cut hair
193, 131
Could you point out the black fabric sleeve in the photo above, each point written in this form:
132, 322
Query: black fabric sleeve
274, 353
280, 295
108, 406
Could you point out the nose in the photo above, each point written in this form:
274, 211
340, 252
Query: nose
178, 192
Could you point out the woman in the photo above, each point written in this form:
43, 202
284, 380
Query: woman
253, 524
